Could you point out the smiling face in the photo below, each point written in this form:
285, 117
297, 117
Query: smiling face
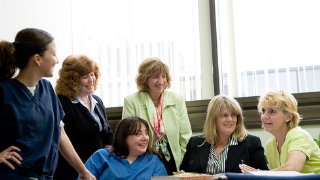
274, 120
226, 122
86, 84
157, 83
49, 60
138, 142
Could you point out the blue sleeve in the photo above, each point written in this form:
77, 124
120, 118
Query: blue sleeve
159, 169
97, 163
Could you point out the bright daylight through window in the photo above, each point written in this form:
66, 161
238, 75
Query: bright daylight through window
268, 44
120, 34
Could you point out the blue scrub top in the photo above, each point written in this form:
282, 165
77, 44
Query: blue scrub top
32, 123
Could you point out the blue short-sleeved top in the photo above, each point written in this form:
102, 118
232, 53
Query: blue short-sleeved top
32, 123
103, 166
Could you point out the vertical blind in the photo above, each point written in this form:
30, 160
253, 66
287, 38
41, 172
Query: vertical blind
119, 34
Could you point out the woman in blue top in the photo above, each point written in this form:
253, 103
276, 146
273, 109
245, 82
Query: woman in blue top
30, 131
131, 156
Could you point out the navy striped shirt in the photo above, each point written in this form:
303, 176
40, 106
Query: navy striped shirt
216, 164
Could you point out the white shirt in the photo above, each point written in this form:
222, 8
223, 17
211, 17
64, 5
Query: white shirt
92, 112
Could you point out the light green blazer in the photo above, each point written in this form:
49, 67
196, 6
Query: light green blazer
174, 115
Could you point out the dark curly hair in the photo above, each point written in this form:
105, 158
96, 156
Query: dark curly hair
73, 68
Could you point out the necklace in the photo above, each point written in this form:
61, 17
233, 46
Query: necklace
279, 150
88, 104
279, 147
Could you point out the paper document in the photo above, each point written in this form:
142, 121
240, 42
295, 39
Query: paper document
275, 173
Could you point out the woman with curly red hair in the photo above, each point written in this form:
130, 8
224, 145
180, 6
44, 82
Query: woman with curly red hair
85, 121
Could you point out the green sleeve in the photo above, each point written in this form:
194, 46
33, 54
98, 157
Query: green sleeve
184, 126
299, 141
128, 108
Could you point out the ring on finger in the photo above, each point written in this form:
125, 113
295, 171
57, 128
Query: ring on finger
9, 156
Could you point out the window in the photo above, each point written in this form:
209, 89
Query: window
120, 34
268, 44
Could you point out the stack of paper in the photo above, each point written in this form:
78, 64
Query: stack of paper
275, 173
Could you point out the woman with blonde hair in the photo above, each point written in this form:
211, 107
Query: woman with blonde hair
165, 111
225, 142
291, 148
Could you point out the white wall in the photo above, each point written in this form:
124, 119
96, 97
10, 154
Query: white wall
42, 14
314, 130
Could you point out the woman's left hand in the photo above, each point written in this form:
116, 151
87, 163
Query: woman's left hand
245, 168
10, 153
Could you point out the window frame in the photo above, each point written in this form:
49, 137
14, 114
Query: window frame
308, 103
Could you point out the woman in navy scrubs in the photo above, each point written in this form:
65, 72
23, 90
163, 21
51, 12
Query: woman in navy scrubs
30, 112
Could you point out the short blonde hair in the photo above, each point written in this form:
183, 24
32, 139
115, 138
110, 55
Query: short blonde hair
284, 101
215, 108
73, 68
149, 67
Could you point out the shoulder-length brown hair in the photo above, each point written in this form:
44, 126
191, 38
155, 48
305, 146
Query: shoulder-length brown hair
129, 126
215, 108
73, 68
149, 67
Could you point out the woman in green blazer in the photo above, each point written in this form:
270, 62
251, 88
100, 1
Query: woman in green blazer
165, 111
